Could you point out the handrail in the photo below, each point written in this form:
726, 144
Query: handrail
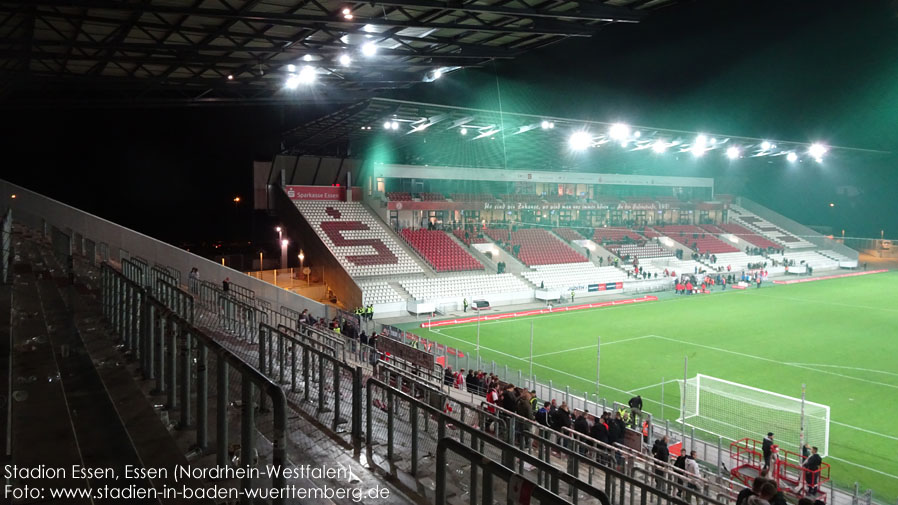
510, 452
489, 468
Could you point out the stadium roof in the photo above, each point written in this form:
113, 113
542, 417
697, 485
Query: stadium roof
214, 51
535, 140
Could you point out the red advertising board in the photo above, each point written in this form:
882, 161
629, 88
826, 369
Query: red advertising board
321, 193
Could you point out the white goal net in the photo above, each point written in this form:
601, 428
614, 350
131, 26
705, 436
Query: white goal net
736, 411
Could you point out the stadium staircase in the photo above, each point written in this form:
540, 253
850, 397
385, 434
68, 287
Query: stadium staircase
74, 402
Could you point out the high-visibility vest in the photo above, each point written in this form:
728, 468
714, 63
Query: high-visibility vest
645, 428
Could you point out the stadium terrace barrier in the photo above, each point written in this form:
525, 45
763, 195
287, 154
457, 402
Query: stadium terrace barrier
5, 245
415, 414
534, 312
517, 489
124, 302
839, 276
337, 382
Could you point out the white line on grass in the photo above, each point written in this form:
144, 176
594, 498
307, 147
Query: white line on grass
806, 300
845, 367
652, 386
862, 466
591, 346
719, 349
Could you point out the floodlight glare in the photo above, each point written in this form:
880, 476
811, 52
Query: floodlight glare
637, 134
291, 68
698, 147
386, 125
732, 152
437, 74
307, 57
345, 60
544, 125
619, 131
463, 131
792, 157
394, 125
307, 75
580, 140
369, 49
817, 150
766, 145
292, 82
346, 10
659, 146
230, 77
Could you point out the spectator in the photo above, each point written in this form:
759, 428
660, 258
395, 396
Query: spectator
509, 399
812, 467
662, 456
471, 382
599, 430
542, 415
766, 449
694, 473
448, 376
460, 379
635, 404
226, 284
581, 426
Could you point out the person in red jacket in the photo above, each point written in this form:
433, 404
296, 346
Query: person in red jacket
688, 288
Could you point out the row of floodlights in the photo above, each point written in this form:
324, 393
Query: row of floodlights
623, 134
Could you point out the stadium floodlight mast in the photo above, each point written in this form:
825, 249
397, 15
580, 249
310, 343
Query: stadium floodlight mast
580, 140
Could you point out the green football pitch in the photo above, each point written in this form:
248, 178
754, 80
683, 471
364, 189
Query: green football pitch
839, 337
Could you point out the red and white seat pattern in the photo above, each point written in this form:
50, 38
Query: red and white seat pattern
696, 238
538, 246
749, 236
400, 196
440, 251
357, 238
458, 287
767, 229
458, 232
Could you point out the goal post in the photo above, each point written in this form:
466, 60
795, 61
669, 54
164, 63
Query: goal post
734, 411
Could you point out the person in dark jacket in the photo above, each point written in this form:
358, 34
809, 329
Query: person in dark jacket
635, 403
662, 456
616, 429
509, 399
563, 420
811, 467
470, 382
448, 376
581, 425
767, 449
542, 415
599, 430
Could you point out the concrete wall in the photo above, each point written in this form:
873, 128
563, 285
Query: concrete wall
35, 210
317, 251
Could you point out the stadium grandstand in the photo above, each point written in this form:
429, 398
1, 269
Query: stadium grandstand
428, 300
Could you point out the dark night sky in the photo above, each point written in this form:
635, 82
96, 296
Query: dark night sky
796, 70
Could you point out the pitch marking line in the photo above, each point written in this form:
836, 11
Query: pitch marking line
653, 386
525, 360
846, 368
821, 302
591, 346
684, 342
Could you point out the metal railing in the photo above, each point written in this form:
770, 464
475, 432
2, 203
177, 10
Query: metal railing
405, 437
171, 344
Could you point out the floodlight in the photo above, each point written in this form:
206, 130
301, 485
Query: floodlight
292, 81
230, 77
637, 134
659, 146
345, 60
437, 73
284, 243
291, 68
580, 140
463, 131
732, 152
394, 125
307, 75
817, 151
766, 145
386, 125
369, 49
792, 157
307, 57
619, 131
544, 125
346, 10
698, 147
